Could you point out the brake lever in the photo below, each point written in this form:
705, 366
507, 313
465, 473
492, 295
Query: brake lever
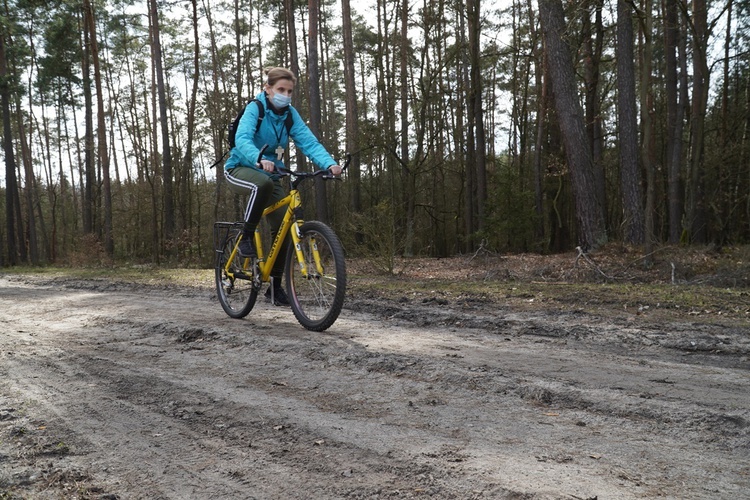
347, 161
328, 176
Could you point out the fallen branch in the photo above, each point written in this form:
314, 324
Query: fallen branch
581, 253
481, 249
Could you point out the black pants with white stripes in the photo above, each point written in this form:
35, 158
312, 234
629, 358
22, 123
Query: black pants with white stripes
261, 190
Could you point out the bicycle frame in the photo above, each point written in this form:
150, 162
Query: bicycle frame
293, 202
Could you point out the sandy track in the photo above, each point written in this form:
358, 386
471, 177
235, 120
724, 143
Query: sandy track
131, 391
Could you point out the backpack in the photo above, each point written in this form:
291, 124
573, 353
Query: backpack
288, 122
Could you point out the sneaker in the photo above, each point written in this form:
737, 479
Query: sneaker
279, 295
247, 248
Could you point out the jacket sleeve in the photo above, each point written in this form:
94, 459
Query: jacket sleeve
245, 148
310, 146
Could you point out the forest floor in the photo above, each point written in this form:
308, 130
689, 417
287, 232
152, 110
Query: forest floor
482, 376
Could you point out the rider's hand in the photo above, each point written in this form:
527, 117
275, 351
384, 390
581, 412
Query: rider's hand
335, 170
267, 165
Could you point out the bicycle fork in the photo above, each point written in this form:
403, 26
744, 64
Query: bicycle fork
296, 234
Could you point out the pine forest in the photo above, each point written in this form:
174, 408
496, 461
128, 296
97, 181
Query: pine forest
510, 125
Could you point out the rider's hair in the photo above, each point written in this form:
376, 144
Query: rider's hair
273, 75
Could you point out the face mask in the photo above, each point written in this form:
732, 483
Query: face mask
281, 101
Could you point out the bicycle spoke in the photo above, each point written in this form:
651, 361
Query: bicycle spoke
317, 298
234, 284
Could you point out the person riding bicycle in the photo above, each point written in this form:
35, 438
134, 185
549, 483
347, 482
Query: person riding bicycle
260, 182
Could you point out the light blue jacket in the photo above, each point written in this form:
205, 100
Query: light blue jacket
273, 132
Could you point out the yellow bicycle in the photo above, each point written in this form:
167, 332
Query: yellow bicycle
315, 269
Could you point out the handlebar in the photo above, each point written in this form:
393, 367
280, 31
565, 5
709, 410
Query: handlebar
324, 174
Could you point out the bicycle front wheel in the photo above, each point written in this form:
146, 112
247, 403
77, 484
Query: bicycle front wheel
235, 289
317, 292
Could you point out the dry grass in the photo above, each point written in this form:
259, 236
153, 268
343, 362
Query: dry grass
699, 284
676, 282
614, 264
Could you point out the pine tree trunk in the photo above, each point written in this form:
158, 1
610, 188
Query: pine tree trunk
153, 158
89, 221
467, 137
11, 184
238, 53
187, 162
218, 139
647, 126
674, 122
103, 153
169, 219
630, 179
541, 113
352, 113
294, 67
29, 251
480, 146
592, 47
408, 180
589, 211
313, 70
696, 201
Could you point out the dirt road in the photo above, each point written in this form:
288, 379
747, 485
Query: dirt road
127, 391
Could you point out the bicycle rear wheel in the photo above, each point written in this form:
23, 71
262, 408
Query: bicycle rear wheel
235, 289
317, 296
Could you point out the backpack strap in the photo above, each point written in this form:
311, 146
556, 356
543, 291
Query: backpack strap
289, 123
261, 113
219, 160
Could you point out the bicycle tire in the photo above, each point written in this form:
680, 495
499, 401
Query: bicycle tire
237, 296
317, 298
